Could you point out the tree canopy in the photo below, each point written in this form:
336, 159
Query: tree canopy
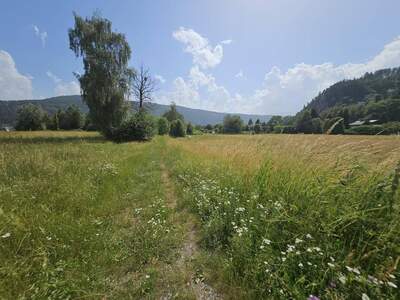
232, 124
106, 79
30, 117
172, 114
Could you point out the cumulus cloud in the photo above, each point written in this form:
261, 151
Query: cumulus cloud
160, 78
287, 92
42, 35
13, 85
64, 88
226, 42
204, 55
200, 90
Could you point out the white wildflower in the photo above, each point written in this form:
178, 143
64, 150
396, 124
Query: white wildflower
342, 279
364, 297
391, 284
266, 241
6, 235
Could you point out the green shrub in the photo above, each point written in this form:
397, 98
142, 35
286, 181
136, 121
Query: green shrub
232, 124
163, 126
138, 127
30, 117
189, 129
257, 128
177, 129
367, 130
284, 129
392, 127
70, 119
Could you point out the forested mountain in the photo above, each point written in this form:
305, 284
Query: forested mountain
372, 101
382, 84
8, 110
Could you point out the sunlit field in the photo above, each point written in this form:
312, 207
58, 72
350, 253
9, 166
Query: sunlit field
289, 216
273, 217
82, 218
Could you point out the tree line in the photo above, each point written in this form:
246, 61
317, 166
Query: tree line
31, 117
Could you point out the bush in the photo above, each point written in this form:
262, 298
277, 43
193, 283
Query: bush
88, 125
70, 119
189, 129
367, 130
177, 129
284, 129
317, 125
30, 117
138, 127
257, 128
163, 126
232, 124
392, 127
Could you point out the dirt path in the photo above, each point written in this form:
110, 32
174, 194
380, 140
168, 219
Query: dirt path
200, 289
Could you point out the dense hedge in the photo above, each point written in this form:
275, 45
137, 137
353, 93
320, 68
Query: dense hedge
367, 129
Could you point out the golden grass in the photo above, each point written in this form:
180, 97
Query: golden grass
319, 151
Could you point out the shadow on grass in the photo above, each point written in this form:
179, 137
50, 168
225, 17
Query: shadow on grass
51, 139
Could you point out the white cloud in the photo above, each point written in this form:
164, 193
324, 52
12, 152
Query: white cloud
42, 35
226, 42
53, 77
160, 78
67, 88
282, 92
204, 55
64, 88
13, 85
240, 74
200, 90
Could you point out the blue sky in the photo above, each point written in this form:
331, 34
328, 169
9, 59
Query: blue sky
256, 56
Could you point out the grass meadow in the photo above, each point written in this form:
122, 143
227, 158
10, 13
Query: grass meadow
295, 216
81, 218
275, 217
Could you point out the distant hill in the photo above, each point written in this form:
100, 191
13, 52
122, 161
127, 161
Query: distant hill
8, 110
379, 85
